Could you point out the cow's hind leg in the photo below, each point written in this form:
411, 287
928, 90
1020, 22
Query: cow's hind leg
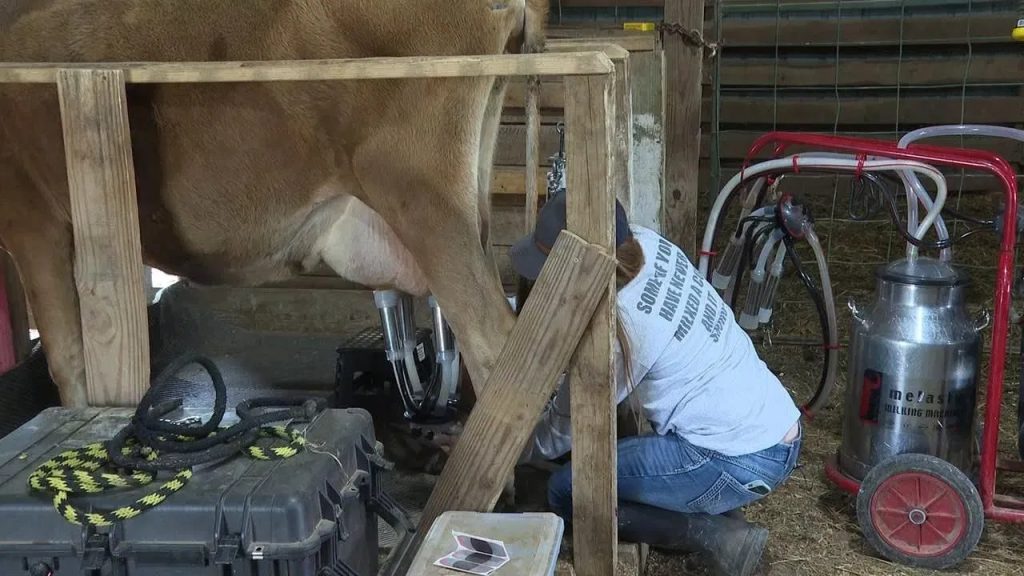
43, 250
420, 174
488, 142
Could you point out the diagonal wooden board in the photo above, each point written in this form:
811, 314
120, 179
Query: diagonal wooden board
569, 290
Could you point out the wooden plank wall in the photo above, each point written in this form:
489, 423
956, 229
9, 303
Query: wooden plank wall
874, 69
863, 67
508, 185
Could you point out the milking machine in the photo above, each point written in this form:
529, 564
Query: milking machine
422, 368
421, 399
909, 448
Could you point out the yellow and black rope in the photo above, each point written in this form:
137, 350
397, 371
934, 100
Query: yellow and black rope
89, 471
150, 445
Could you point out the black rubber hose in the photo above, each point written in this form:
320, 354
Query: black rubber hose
877, 184
819, 302
184, 446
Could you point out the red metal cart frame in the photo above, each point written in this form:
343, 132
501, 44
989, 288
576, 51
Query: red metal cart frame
997, 507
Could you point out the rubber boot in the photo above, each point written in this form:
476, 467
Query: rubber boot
733, 547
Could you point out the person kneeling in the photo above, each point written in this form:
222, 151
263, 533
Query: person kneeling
726, 432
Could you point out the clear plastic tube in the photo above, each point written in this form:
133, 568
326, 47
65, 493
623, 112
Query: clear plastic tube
913, 197
772, 285
838, 164
763, 212
915, 189
821, 399
722, 277
750, 317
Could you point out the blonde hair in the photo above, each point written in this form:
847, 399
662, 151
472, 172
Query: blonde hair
629, 261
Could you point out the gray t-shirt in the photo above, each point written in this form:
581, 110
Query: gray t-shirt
695, 371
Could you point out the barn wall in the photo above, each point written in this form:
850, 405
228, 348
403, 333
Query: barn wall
875, 68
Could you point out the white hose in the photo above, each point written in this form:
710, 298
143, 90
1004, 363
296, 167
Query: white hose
915, 190
821, 400
913, 196
838, 164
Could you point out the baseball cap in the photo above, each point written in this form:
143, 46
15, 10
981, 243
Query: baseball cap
530, 253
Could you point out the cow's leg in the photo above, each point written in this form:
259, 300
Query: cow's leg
488, 142
421, 176
43, 250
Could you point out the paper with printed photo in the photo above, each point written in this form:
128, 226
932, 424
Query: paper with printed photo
475, 555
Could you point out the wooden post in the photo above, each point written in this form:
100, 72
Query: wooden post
622, 142
104, 212
645, 72
567, 293
589, 113
532, 151
682, 124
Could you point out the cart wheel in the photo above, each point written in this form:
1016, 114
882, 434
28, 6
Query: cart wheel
920, 511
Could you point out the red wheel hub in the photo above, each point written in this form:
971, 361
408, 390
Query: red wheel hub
918, 514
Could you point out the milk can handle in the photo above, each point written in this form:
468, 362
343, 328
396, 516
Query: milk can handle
858, 314
982, 320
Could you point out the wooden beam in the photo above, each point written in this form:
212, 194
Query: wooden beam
533, 172
611, 3
613, 50
632, 41
645, 72
760, 107
743, 110
622, 140
590, 129
108, 261
568, 291
511, 146
510, 180
938, 68
319, 70
550, 97
682, 95
767, 31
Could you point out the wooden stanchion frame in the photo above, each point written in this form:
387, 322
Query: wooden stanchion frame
570, 312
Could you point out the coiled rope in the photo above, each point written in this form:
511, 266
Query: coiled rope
149, 445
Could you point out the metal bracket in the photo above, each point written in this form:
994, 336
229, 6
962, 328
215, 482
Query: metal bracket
692, 37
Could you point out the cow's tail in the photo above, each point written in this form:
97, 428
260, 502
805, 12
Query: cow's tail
535, 26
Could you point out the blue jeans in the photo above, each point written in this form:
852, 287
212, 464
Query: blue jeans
669, 472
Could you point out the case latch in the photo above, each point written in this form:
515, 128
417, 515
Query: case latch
227, 549
97, 550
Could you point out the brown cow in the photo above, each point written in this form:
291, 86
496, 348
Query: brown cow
384, 181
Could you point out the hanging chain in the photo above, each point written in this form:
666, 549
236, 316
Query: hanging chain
689, 36
556, 176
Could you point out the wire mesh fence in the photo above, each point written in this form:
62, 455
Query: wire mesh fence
871, 68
